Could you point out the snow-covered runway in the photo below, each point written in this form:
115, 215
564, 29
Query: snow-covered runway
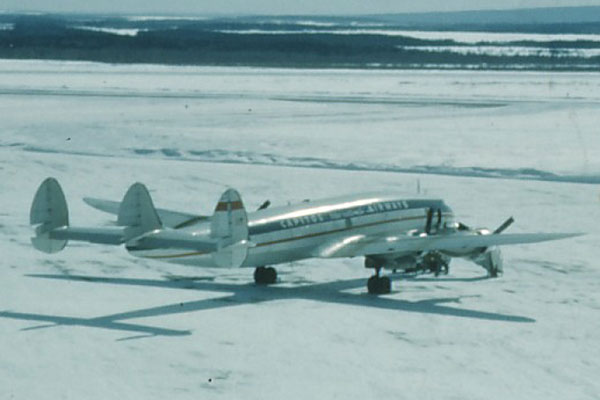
93, 322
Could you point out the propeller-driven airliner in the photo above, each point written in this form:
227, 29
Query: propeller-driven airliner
389, 231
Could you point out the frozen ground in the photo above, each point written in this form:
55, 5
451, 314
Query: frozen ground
94, 323
445, 122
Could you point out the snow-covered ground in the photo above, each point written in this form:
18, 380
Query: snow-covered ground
92, 322
376, 119
456, 36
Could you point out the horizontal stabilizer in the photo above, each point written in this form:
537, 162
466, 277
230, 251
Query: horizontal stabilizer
172, 239
164, 238
112, 235
169, 218
109, 206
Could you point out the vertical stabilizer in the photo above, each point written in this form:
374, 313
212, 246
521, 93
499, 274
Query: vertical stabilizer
229, 225
48, 211
137, 212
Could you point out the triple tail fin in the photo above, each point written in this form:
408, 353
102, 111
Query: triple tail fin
229, 226
139, 222
49, 211
137, 212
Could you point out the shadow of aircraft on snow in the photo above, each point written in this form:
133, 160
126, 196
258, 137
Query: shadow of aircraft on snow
245, 293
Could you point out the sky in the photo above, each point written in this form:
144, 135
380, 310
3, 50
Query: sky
275, 6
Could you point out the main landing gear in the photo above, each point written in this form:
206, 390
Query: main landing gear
265, 275
377, 284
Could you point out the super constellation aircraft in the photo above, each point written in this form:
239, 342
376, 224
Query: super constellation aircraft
388, 231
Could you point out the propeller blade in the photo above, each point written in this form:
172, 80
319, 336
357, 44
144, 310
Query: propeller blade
264, 205
429, 219
504, 225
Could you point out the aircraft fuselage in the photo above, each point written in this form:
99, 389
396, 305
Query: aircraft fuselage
309, 229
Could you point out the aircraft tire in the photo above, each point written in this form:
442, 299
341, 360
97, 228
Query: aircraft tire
271, 275
379, 285
265, 275
385, 285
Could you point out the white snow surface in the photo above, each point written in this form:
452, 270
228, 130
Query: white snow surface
457, 36
143, 18
93, 322
509, 51
114, 31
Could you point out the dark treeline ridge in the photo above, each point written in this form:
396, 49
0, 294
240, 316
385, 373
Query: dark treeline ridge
201, 43
578, 19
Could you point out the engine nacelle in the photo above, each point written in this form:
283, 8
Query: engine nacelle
491, 260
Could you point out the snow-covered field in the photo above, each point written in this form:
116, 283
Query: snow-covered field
92, 322
457, 36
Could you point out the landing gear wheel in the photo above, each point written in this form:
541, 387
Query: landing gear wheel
265, 275
379, 285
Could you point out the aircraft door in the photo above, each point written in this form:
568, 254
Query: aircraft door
348, 222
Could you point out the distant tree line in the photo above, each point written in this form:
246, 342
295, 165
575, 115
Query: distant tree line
199, 44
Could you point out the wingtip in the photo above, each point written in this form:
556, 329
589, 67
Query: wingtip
564, 235
574, 234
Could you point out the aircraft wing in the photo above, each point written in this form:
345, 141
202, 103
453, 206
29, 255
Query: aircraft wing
169, 218
363, 245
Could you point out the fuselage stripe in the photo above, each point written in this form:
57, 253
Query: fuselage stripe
338, 230
195, 253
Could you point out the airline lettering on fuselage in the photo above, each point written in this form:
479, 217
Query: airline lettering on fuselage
342, 214
300, 221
